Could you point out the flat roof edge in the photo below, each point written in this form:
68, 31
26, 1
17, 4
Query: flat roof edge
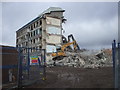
49, 10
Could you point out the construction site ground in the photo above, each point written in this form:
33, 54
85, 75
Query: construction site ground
70, 77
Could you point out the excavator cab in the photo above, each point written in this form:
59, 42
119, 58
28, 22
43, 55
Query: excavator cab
58, 55
58, 48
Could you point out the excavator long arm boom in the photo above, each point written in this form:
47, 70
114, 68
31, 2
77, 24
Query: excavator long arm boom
66, 45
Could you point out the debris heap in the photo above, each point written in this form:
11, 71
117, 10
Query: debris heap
87, 59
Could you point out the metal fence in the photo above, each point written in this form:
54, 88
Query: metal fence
116, 63
28, 67
31, 66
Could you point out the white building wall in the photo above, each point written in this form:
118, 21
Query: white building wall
53, 39
53, 36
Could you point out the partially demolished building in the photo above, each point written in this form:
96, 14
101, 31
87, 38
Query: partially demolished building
44, 32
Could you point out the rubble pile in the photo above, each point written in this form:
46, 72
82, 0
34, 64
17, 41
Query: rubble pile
87, 59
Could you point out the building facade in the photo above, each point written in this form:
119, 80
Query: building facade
44, 32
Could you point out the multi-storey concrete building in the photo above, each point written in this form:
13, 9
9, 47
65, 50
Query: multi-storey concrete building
44, 32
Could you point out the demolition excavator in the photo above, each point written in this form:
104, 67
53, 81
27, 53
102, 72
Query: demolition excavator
60, 54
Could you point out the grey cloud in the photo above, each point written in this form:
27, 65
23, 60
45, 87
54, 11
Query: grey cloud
92, 24
82, 12
94, 33
14, 16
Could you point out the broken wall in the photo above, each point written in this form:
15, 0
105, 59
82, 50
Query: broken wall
53, 27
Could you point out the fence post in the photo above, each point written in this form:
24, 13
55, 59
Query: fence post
116, 66
113, 55
28, 67
19, 68
43, 54
119, 66
44, 63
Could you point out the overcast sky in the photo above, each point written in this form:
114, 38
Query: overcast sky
93, 24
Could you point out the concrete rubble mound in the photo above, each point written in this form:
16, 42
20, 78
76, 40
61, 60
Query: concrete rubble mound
87, 59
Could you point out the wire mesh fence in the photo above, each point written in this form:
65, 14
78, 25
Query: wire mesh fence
31, 66
22, 68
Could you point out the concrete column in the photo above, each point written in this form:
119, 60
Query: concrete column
43, 34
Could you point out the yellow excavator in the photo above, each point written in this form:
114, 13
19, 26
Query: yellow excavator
60, 54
